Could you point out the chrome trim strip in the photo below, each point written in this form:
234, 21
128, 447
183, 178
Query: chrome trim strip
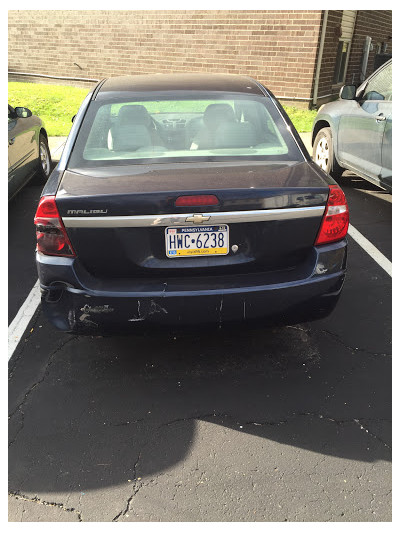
221, 217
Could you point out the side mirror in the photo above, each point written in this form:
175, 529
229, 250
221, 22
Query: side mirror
73, 118
347, 92
23, 112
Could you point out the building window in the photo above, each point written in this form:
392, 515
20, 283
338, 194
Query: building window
341, 61
343, 51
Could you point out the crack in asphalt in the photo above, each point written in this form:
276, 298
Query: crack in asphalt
19, 496
44, 375
125, 423
136, 488
11, 442
354, 348
274, 422
18, 408
137, 485
357, 421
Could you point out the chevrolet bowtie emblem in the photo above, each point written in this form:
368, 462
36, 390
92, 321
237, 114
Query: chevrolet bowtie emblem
197, 219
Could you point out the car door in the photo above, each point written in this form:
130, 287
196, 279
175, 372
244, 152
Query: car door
22, 150
386, 172
362, 127
15, 173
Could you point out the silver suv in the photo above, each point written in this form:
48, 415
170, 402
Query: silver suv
355, 132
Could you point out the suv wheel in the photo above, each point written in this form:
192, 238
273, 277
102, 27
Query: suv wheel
324, 155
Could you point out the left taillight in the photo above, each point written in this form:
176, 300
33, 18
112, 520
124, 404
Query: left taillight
51, 236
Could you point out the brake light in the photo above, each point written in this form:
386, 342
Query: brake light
197, 200
335, 222
51, 236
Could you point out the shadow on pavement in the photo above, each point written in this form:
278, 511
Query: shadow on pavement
349, 179
106, 410
93, 412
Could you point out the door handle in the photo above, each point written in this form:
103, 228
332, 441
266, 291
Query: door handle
11, 141
380, 118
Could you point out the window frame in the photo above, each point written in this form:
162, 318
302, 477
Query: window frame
363, 87
338, 65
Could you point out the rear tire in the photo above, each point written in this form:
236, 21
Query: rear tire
44, 159
324, 155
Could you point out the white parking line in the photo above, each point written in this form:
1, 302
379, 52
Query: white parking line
371, 250
18, 326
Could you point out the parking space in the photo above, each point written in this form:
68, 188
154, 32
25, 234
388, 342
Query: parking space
281, 424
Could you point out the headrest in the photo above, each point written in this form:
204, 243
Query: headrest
215, 114
130, 137
134, 114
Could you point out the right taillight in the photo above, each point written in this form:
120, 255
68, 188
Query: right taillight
51, 236
335, 222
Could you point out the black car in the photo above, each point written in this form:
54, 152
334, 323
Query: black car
28, 149
187, 199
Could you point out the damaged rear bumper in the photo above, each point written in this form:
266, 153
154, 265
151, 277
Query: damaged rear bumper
75, 302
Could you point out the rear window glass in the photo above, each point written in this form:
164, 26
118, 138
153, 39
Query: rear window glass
133, 131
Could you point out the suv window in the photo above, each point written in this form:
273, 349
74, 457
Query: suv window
380, 86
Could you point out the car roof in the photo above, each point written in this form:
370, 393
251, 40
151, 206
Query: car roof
201, 82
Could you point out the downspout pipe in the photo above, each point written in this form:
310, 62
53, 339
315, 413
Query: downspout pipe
320, 54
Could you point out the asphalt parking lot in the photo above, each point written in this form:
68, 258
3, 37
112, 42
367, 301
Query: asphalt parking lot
283, 424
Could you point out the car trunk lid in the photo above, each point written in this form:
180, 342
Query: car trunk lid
116, 217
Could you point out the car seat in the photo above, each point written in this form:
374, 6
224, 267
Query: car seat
214, 116
133, 129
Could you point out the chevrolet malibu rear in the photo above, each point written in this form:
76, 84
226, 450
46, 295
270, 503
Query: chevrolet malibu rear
187, 200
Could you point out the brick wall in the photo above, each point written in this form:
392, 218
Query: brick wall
329, 54
376, 24
278, 48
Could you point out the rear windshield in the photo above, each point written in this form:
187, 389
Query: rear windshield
217, 128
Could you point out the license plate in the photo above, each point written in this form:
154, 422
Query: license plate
196, 241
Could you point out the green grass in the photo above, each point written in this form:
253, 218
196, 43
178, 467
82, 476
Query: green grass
301, 118
57, 104
54, 104
168, 106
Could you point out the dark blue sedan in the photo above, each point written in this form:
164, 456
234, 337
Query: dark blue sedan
187, 199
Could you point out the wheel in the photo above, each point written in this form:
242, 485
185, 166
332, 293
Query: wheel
44, 158
324, 155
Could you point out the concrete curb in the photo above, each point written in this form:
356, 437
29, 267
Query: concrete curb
306, 138
56, 145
